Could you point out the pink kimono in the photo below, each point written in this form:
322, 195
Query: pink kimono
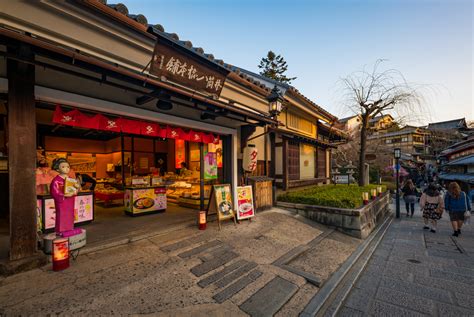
64, 206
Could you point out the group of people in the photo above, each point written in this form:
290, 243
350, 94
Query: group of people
433, 202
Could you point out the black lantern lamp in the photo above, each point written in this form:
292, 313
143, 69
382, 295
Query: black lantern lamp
164, 102
397, 153
275, 102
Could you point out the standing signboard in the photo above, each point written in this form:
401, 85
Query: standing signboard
220, 203
245, 206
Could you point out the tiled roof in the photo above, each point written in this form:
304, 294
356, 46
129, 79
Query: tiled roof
451, 124
158, 29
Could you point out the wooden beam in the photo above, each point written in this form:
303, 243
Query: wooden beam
22, 154
285, 163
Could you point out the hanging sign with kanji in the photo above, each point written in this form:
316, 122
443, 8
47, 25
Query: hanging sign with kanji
175, 66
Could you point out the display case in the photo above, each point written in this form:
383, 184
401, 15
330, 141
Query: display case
144, 200
46, 210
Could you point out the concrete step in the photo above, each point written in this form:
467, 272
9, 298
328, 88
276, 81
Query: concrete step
269, 299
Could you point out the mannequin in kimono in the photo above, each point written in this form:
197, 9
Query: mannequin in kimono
64, 202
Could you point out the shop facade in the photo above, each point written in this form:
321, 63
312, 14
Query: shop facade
87, 60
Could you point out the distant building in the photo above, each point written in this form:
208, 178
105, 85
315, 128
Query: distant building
411, 140
376, 124
457, 163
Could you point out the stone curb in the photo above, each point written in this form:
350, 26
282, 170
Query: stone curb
317, 302
131, 238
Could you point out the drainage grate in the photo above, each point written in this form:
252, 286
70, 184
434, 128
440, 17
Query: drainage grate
414, 261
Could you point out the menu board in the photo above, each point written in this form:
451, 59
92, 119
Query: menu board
245, 207
145, 200
223, 201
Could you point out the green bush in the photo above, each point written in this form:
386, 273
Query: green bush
339, 196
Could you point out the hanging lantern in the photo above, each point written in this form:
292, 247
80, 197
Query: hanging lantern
379, 190
60, 254
202, 220
365, 198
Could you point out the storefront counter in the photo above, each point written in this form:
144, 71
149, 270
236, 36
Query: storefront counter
46, 211
142, 200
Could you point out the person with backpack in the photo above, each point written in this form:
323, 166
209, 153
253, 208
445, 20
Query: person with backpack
457, 203
432, 206
409, 196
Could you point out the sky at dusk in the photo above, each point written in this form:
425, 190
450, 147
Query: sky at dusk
430, 42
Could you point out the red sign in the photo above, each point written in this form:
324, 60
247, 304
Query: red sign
177, 67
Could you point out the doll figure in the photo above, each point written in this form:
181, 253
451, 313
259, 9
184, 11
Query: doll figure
64, 202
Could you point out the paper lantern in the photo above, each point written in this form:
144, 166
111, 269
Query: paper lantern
379, 190
202, 220
373, 193
60, 254
365, 198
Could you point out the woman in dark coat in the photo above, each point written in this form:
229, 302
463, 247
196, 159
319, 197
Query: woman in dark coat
409, 195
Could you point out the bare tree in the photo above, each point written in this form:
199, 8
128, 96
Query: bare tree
373, 93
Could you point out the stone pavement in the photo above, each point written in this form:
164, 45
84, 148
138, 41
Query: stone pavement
414, 272
231, 272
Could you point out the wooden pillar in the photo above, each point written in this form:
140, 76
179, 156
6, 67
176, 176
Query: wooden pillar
272, 155
22, 154
285, 163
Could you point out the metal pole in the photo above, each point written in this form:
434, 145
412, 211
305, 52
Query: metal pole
201, 176
397, 212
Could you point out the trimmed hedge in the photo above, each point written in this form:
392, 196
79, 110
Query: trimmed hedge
339, 196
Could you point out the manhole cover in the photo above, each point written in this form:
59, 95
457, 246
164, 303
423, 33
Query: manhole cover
414, 261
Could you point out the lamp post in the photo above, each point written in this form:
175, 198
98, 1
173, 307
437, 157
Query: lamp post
397, 153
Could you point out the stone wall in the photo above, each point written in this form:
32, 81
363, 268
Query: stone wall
355, 222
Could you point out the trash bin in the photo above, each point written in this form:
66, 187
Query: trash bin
262, 191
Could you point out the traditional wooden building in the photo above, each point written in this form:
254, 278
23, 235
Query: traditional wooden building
87, 59
300, 146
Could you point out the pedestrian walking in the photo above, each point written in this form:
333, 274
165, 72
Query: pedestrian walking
432, 206
409, 196
457, 203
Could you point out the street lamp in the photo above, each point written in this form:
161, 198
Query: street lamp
397, 153
275, 102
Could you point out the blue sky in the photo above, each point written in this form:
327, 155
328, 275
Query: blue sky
430, 42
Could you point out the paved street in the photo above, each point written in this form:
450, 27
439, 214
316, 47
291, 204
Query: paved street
414, 272
258, 268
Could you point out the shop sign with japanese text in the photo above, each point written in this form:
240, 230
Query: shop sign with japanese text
183, 70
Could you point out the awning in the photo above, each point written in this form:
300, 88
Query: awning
467, 178
467, 160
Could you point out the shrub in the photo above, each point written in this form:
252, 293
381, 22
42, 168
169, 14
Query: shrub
339, 196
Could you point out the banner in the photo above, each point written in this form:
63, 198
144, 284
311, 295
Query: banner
210, 166
101, 122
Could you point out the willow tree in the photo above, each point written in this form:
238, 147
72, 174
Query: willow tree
377, 92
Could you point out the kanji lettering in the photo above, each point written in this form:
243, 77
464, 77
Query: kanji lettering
209, 81
182, 70
173, 65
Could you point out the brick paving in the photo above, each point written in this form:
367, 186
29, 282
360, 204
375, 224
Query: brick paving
415, 272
